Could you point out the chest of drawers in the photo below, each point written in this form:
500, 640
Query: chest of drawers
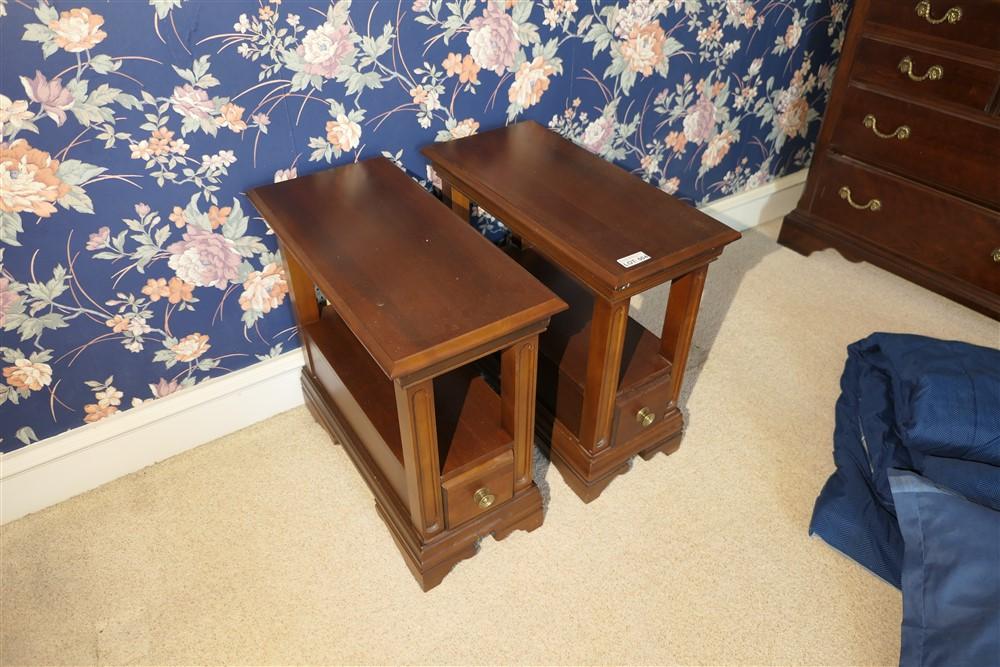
906, 173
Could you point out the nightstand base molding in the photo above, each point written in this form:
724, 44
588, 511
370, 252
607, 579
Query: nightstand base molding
589, 474
429, 561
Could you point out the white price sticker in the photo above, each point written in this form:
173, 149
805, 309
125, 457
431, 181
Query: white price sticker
633, 259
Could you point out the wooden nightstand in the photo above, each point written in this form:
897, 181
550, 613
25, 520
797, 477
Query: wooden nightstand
414, 297
597, 236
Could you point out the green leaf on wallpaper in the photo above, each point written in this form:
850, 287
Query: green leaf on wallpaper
243, 271
207, 364
26, 435
78, 200
163, 7
50, 290
235, 225
76, 172
8, 394
36, 32
527, 33
521, 11
128, 101
46, 14
161, 235
10, 227
358, 81
248, 246
32, 327
299, 81
104, 64
600, 36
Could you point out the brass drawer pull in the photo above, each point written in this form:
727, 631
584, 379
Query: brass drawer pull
873, 205
996, 255
645, 417
923, 9
902, 132
934, 72
484, 497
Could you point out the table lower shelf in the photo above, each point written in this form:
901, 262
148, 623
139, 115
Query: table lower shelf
468, 411
644, 375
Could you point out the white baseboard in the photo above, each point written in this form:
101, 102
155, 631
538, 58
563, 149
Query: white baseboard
768, 202
58, 468
741, 212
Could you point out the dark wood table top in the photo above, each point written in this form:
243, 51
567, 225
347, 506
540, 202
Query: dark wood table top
580, 210
413, 282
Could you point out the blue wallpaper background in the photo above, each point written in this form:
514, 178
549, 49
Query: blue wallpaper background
131, 263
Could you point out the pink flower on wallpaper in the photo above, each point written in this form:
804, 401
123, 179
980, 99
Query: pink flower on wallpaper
164, 388
493, 39
191, 347
264, 290
286, 174
55, 99
717, 148
78, 30
643, 50
793, 118
326, 49
530, 82
466, 128
30, 375
8, 297
99, 239
597, 137
699, 123
670, 185
204, 259
191, 102
29, 180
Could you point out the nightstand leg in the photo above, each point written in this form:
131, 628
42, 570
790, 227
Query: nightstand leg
456, 199
678, 325
302, 294
518, 372
604, 357
418, 432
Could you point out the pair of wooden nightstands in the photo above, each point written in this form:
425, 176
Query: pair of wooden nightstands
422, 314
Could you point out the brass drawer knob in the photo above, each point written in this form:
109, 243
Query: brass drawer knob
996, 255
933, 73
645, 417
923, 9
873, 205
484, 497
902, 132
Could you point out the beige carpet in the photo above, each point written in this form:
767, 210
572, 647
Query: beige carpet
264, 547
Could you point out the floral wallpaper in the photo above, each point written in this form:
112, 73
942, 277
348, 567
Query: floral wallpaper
131, 263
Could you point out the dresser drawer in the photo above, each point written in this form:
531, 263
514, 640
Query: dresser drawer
931, 229
948, 151
968, 22
477, 490
923, 75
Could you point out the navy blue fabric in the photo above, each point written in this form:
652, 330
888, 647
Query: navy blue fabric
915, 403
951, 576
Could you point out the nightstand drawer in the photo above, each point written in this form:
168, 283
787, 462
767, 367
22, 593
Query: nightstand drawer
915, 73
641, 409
966, 22
949, 151
473, 492
928, 228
